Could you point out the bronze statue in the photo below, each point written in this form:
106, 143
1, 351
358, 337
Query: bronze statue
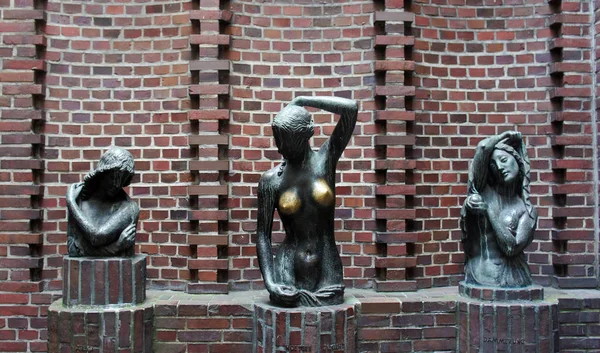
307, 269
497, 218
102, 219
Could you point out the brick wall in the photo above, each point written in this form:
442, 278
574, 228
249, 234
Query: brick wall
190, 88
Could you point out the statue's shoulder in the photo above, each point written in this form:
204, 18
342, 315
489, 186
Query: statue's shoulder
270, 179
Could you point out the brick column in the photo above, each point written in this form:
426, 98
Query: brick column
573, 235
22, 116
394, 93
209, 118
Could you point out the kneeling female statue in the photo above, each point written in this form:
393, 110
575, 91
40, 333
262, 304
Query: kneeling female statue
497, 218
102, 219
307, 269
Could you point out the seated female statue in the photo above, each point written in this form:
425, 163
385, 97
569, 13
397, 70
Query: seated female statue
497, 219
102, 219
307, 269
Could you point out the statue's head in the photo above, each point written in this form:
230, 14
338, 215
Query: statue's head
506, 165
113, 172
292, 128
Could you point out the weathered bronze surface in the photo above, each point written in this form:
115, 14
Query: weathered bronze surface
102, 219
497, 219
307, 269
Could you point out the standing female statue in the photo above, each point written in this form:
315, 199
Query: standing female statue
102, 219
307, 269
497, 218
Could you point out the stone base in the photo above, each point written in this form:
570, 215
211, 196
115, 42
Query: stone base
510, 325
500, 294
324, 329
100, 329
103, 281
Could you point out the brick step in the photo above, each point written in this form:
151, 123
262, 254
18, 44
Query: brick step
217, 15
21, 262
395, 190
395, 262
398, 164
397, 115
393, 16
570, 140
575, 282
209, 114
214, 39
390, 140
208, 239
203, 190
394, 65
402, 91
572, 164
572, 189
22, 139
209, 165
208, 264
397, 237
391, 213
17, 238
10, 189
570, 211
200, 140
219, 65
207, 288
572, 234
573, 259
21, 114
571, 116
560, 18
19, 214
395, 286
25, 39
208, 215
23, 89
385, 40
560, 67
35, 164
572, 92
209, 89
580, 43
24, 14
24, 64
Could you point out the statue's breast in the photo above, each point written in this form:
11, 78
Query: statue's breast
321, 193
290, 201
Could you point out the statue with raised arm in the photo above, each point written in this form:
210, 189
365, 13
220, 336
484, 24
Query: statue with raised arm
307, 269
102, 219
497, 218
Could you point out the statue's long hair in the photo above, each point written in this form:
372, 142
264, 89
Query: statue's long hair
519, 153
116, 160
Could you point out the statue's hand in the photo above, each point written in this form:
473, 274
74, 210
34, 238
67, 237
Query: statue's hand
127, 237
284, 293
73, 191
475, 204
510, 136
329, 291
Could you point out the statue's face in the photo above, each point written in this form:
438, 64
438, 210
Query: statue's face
286, 146
110, 184
505, 165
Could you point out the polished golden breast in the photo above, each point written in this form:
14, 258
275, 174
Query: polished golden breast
289, 202
322, 193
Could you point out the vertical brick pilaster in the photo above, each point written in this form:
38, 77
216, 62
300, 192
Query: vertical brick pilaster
571, 69
209, 118
22, 117
394, 95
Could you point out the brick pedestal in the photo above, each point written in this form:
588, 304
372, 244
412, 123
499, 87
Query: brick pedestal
102, 309
316, 330
103, 281
513, 324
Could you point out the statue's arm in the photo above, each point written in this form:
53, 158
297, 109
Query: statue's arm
348, 111
117, 223
264, 224
105, 234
